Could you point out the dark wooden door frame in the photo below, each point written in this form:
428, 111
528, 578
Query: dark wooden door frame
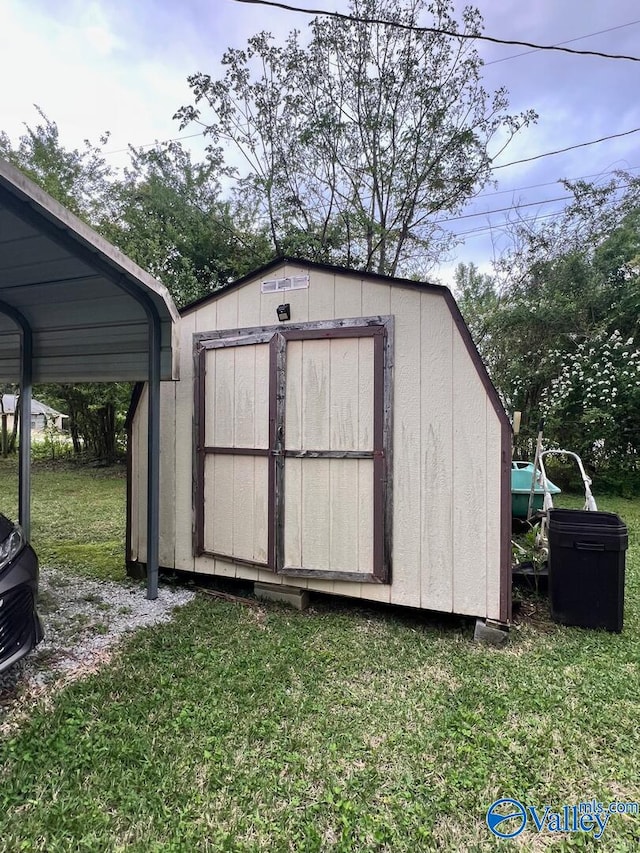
379, 328
202, 344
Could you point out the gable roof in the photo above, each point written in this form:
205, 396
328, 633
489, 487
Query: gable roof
37, 408
313, 265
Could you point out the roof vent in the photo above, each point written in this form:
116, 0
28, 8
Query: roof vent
278, 285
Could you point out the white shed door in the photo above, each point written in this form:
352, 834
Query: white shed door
236, 452
328, 485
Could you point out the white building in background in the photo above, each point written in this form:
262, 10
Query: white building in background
42, 416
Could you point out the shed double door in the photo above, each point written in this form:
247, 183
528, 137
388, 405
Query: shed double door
290, 449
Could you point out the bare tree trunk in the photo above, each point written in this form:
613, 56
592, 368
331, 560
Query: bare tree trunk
14, 432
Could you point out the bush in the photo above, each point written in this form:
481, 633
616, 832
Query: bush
612, 480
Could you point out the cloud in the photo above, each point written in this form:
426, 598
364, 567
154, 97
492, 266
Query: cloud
122, 66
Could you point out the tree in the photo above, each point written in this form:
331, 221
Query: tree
356, 143
80, 179
593, 405
172, 221
560, 333
167, 214
478, 299
595, 212
96, 415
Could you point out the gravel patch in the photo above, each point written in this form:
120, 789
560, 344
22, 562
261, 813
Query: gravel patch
83, 622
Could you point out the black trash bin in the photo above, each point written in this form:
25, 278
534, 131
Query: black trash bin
586, 568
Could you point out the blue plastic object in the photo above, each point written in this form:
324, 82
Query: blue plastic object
521, 476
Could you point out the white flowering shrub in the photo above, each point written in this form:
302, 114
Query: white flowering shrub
593, 405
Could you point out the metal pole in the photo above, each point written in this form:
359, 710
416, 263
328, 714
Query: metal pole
153, 450
535, 470
26, 378
24, 487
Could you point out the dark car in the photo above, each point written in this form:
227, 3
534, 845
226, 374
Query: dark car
20, 626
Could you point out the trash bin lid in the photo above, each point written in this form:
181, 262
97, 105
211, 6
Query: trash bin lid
583, 517
566, 526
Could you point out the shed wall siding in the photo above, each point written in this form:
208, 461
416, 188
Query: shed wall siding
469, 484
492, 513
407, 485
436, 453
446, 451
182, 444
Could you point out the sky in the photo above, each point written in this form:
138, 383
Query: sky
122, 66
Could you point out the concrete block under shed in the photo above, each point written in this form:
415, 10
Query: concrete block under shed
136, 571
296, 597
490, 633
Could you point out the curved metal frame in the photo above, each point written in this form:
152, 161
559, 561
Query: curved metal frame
62, 238
26, 375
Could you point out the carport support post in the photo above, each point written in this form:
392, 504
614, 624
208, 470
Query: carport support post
153, 468
26, 379
24, 484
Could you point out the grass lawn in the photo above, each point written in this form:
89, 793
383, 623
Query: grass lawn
340, 729
77, 514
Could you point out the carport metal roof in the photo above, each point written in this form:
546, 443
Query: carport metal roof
75, 309
86, 303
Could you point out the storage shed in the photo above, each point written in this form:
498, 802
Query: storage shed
335, 431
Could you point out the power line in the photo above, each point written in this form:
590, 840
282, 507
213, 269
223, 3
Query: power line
481, 195
154, 144
487, 229
562, 150
490, 226
552, 183
505, 209
494, 168
568, 41
452, 33
516, 207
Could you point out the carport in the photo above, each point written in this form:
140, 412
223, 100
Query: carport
75, 309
